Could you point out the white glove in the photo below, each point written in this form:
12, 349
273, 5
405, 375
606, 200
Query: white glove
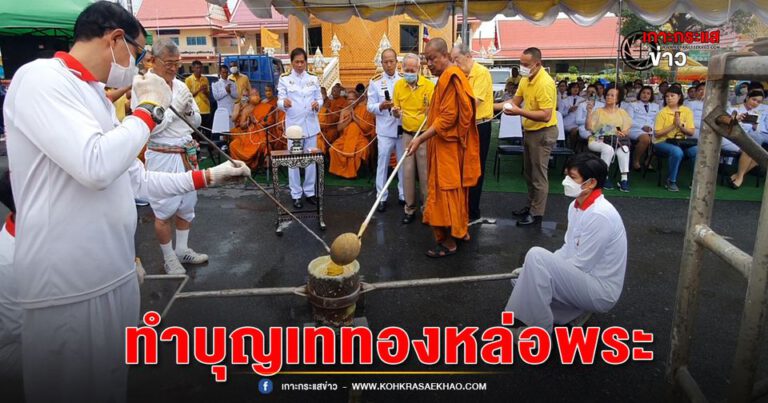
150, 88
183, 102
140, 272
228, 170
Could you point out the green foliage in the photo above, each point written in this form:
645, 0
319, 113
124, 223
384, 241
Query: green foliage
573, 70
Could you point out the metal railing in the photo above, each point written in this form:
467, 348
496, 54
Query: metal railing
700, 237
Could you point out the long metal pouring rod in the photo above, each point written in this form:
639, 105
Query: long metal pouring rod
386, 185
274, 200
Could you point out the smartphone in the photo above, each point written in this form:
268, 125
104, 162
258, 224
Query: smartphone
749, 119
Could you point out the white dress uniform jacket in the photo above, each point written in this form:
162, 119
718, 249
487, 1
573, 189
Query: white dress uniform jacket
386, 131
756, 135
585, 274
222, 118
698, 113
642, 114
564, 106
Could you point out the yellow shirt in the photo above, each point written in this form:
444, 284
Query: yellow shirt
482, 86
194, 84
515, 80
414, 102
605, 123
538, 94
666, 118
243, 85
120, 107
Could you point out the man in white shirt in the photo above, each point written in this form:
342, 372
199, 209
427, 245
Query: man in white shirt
74, 175
587, 273
380, 92
172, 149
696, 104
225, 93
580, 141
299, 96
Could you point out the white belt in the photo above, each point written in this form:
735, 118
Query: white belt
481, 121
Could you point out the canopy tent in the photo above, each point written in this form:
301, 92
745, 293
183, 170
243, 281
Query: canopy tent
40, 17
542, 12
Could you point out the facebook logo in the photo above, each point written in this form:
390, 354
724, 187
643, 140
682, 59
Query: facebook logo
265, 386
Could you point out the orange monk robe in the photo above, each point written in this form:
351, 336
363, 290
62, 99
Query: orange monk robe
251, 147
453, 155
329, 118
276, 139
353, 144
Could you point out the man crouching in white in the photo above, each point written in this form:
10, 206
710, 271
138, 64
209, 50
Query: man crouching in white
587, 273
172, 149
75, 176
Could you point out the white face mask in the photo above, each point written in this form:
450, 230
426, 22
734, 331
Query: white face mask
525, 71
233, 70
343, 94
120, 76
571, 188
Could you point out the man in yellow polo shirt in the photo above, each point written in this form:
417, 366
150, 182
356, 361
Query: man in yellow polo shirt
482, 87
411, 98
242, 81
200, 88
537, 90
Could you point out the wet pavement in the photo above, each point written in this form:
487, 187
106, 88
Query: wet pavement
235, 227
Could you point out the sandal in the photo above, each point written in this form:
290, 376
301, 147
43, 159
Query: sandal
440, 251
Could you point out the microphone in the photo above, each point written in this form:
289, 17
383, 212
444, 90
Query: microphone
387, 98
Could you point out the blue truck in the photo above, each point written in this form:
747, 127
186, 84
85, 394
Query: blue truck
262, 70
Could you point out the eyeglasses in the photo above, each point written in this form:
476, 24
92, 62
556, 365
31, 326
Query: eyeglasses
169, 64
133, 42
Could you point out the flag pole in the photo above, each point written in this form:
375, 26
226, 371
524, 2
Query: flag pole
464, 26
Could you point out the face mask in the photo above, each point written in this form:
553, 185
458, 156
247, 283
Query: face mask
411, 77
343, 94
525, 71
120, 76
742, 91
571, 188
233, 70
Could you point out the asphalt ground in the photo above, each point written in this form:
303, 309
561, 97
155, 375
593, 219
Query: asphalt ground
235, 226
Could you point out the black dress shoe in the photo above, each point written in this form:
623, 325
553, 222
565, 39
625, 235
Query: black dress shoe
529, 220
311, 200
408, 218
382, 207
297, 203
401, 202
521, 212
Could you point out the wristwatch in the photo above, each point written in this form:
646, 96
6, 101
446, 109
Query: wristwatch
157, 112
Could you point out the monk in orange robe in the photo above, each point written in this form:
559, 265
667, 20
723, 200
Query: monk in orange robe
275, 132
357, 129
329, 118
453, 151
251, 145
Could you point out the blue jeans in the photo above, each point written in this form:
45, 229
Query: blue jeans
674, 156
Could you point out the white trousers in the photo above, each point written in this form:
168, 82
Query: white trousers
386, 145
76, 352
607, 152
310, 174
182, 206
551, 290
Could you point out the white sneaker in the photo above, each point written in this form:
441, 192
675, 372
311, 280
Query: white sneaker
190, 256
173, 266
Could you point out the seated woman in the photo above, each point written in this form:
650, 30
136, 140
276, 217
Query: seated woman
674, 125
357, 127
752, 106
579, 142
610, 127
569, 108
643, 114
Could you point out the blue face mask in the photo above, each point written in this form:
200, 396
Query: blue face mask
411, 77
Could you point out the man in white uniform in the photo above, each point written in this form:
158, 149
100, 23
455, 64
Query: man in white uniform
696, 104
74, 175
172, 149
380, 91
299, 96
587, 273
225, 93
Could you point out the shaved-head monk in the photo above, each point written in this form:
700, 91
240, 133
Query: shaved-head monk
453, 151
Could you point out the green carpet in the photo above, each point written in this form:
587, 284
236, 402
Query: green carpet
511, 180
